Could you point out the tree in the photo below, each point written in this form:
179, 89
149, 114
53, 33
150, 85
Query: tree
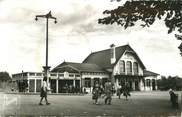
174, 83
4, 76
147, 11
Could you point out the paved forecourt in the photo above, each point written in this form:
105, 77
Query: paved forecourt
139, 104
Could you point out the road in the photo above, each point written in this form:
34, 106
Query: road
139, 104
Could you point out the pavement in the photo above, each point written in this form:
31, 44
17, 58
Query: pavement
140, 104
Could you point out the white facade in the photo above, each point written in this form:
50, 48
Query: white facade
35, 80
127, 57
130, 57
119, 67
150, 83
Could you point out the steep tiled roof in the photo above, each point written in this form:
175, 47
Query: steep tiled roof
102, 58
81, 67
149, 73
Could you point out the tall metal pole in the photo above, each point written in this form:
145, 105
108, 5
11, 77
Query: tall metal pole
47, 16
47, 20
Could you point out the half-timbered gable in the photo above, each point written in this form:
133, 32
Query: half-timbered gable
129, 64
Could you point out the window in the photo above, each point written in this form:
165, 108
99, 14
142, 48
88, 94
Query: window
53, 74
38, 85
148, 82
61, 75
71, 75
32, 74
19, 75
77, 75
135, 67
87, 82
129, 67
31, 85
39, 74
24, 74
121, 66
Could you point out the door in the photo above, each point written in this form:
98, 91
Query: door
64, 85
77, 86
136, 86
31, 85
153, 84
53, 85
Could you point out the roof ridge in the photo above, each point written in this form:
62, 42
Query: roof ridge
80, 63
109, 49
73, 62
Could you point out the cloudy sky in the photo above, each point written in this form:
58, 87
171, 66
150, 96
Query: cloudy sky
76, 35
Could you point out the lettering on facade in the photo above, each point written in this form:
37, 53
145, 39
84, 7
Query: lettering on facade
66, 75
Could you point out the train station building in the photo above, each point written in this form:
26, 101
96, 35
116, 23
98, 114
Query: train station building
120, 64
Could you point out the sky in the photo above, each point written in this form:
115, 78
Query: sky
76, 35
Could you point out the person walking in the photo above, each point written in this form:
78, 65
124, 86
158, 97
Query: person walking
119, 90
108, 92
126, 90
43, 92
96, 92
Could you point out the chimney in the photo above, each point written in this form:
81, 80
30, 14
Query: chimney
113, 54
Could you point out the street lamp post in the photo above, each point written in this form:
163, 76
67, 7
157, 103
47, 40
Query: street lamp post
47, 16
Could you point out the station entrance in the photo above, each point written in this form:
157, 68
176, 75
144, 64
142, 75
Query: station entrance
65, 86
